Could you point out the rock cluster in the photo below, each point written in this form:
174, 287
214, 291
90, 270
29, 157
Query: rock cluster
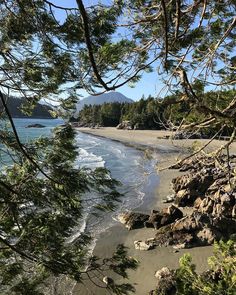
196, 229
166, 216
133, 220
157, 219
209, 189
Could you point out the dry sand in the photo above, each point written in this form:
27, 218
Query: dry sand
153, 138
166, 153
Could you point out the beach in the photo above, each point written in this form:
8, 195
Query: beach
166, 152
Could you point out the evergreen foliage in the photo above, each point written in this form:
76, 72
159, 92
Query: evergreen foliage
97, 48
154, 113
219, 279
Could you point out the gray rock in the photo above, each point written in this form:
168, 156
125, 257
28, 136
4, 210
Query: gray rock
133, 220
144, 245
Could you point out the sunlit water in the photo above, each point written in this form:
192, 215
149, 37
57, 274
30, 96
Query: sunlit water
125, 164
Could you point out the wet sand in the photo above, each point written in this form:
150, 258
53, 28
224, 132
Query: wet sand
150, 261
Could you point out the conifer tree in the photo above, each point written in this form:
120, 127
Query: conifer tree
51, 51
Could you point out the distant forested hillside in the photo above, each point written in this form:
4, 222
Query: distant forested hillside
151, 113
15, 104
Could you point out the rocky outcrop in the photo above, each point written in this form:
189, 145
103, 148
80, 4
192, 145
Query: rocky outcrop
188, 187
197, 229
213, 200
219, 204
166, 216
156, 219
133, 220
211, 194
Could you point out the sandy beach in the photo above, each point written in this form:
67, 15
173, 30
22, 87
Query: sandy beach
166, 152
156, 139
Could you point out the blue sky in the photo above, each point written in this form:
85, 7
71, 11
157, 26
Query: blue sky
149, 84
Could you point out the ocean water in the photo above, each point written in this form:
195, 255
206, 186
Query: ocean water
28, 134
126, 164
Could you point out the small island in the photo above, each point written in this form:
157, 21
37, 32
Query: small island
36, 125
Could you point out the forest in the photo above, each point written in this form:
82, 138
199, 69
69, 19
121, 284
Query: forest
57, 50
152, 113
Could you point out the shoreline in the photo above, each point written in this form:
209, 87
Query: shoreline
150, 261
155, 140
139, 146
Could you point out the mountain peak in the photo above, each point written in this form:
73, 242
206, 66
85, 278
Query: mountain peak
112, 96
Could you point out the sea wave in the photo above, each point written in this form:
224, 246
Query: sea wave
126, 165
87, 159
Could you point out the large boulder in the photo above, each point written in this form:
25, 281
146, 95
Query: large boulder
199, 182
190, 186
193, 230
170, 214
206, 236
154, 219
219, 204
133, 220
216, 185
226, 226
206, 205
186, 197
144, 245
166, 236
163, 217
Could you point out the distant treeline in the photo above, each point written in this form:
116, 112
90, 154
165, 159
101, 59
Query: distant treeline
151, 113
16, 106
144, 113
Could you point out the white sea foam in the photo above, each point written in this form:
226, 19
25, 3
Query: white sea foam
89, 160
126, 165
79, 229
